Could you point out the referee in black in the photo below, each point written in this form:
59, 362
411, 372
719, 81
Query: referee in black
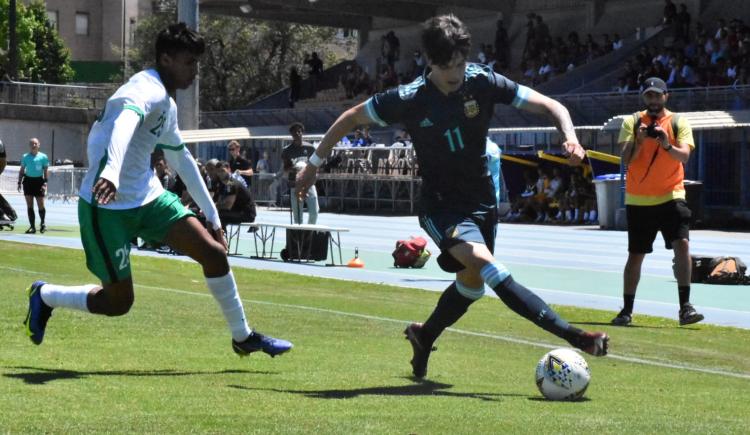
33, 179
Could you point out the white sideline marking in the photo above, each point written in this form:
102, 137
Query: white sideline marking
634, 360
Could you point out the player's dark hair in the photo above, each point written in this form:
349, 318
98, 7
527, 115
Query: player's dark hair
443, 37
296, 125
177, 38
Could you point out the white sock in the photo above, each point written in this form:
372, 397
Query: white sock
74, 297
578, 213
224, 289
568, 215
586, 216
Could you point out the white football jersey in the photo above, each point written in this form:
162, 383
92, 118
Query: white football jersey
136, 181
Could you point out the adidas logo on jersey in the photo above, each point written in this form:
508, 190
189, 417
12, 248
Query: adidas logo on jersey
426, 123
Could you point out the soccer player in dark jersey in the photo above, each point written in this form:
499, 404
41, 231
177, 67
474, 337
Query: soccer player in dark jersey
447, 111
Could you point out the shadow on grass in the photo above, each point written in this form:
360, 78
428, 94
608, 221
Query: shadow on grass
418, 388
542, 399
616, 326
41, 375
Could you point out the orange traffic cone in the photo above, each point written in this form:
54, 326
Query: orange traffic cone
355, 262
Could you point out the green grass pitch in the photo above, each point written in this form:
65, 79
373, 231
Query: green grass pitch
168, 367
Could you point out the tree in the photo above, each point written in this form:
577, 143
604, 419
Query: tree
42, 55
244, 59
53, 57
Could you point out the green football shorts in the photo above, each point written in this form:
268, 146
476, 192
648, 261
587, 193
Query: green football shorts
106, 234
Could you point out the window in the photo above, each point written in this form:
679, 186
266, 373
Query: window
52, 18
82, 23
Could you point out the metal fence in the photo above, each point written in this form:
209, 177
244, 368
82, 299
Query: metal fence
585, 109
87, 97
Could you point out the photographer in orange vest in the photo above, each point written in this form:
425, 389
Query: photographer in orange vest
655, 145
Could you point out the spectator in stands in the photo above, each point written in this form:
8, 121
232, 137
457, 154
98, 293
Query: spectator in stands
349, 80
552, 194
162, 170
391, 48
315, 70
387, 78
359, 139
211, 174
264, 165
621, 87
721, 29
670, 12
502, 46
239, 164
529, 51
234, 175
617, 42
523, 203
541, 33
655, 146
33, 178
235, 202
364, 83
294, 156
540, 197
570, 202
295, 86
366, 136
683, 23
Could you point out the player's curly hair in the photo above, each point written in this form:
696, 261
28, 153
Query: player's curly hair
444, 36
179, 37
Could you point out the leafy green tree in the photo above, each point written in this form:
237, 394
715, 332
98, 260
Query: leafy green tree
244, 60
52, 56
42, 56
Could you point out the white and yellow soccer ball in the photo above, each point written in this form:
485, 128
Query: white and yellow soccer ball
562, 374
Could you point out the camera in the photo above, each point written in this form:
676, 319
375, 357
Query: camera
651, 131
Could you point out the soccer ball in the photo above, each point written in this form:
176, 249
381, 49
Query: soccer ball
562, 374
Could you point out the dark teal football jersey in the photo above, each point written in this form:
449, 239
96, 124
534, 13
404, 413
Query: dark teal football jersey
449, 133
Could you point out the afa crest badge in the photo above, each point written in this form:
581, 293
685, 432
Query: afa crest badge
471, 108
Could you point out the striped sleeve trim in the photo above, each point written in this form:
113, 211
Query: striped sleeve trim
161, 146
370, 110
135, 109
522, 95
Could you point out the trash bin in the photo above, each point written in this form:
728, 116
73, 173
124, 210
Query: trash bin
607, 199
694, 199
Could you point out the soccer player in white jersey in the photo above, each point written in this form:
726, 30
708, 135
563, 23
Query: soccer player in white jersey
121, 198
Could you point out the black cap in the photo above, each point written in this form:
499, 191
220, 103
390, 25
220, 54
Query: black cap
654, 84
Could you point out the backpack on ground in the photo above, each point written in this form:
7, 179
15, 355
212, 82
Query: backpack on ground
411, 253
719, 270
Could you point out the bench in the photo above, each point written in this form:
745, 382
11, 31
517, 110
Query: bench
266, 232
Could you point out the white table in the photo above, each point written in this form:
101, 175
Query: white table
266, 232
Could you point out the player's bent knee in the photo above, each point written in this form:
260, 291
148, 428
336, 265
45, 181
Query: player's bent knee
119, 306
114, 299
469, 292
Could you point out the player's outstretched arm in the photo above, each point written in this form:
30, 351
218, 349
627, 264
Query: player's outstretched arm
106, 186
347, 122
537, 103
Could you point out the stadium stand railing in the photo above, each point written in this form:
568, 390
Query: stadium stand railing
43, 94
585, 109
